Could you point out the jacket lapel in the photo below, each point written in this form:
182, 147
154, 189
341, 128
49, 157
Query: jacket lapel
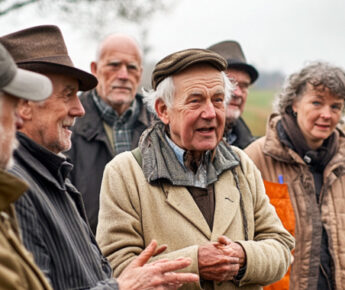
227, 205
182, 201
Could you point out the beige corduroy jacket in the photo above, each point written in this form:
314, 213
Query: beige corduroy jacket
133, 212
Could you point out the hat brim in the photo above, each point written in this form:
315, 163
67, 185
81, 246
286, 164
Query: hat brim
253, 73
86, 80
29, 85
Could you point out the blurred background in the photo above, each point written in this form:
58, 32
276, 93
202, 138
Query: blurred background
278, 37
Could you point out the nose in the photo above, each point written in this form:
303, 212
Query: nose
208, 112
123, 72
326, 112
77, 109
237, 93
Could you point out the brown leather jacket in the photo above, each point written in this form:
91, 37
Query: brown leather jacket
273, 159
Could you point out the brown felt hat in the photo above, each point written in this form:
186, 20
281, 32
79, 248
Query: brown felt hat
178, 61
42, 49
231, 50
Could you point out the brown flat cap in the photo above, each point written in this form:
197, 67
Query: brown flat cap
231, 50
178, 61
42, 49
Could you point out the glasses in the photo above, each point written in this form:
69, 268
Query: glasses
243, 86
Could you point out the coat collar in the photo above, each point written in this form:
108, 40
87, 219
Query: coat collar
157, 154
52, 167
227, 205
91, 125
274, 148
11, 188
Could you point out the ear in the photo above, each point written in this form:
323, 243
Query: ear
162, 111
93, 67
24, 109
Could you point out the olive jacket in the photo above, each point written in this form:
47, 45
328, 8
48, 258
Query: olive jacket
17, 267
91, 150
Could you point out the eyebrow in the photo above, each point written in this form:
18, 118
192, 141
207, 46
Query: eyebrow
69, 88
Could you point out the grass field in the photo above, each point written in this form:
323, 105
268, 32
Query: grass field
257, 110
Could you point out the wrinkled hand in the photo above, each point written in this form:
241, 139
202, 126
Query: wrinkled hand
232, 249
157, 275
215, 263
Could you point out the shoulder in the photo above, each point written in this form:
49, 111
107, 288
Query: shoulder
246, 162
124, 164
255, 147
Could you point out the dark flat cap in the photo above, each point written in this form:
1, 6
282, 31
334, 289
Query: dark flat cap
231, 50
178, 61
42, 49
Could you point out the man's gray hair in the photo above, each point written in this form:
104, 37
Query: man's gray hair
316, 74
166, 91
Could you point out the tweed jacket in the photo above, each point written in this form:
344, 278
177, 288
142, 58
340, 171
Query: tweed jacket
273, 158
91, 151
17, 267
133, 212
53, 222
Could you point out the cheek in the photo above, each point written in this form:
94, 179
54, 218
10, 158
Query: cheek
135, 78
336, 119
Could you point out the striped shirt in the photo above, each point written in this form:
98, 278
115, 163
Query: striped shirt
53, 223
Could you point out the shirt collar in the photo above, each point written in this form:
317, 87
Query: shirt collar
110, 116
179, 152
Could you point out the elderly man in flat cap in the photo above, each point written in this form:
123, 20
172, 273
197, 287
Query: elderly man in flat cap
190, 190
236, 131
17, 268
51, 212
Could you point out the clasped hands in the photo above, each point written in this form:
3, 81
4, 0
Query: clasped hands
220, 261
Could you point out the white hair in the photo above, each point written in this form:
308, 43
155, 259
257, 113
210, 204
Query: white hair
166, 91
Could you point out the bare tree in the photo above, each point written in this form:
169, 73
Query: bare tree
96, 16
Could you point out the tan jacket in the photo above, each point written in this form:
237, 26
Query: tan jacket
272, 158
133, 212
17, 268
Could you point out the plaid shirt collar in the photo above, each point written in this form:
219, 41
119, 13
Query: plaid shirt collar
111, 117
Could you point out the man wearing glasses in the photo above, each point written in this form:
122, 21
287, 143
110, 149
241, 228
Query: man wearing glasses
243, 74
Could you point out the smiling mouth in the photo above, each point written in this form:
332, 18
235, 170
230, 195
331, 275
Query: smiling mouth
323, 126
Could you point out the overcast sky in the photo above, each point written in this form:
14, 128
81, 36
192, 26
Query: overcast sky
274, 34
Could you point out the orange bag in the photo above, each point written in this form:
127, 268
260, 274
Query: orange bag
279, 198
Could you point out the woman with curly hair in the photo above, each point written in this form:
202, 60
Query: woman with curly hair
302, 161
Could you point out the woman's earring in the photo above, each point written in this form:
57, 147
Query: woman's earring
294, 114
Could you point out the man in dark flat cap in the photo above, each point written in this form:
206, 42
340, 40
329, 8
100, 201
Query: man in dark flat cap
236, 131
188, 189
17, 268
51, 212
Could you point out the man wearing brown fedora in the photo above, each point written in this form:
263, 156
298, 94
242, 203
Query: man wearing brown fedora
51, 212
188, 189
17, 268
115, 117
236, 131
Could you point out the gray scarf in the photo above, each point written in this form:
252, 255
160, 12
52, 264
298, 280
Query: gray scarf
160, 162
